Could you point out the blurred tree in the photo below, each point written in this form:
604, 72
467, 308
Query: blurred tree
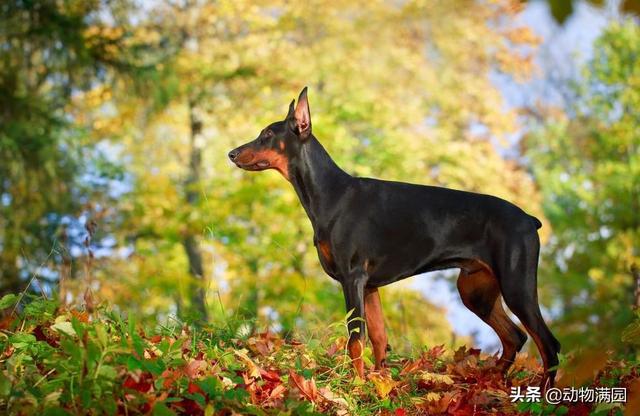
50, 51
588, 167
561, 10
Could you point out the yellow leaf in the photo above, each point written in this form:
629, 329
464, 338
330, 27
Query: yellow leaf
254, 370
383, 384
436, 378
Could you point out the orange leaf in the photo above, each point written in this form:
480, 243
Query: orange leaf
633, 404
307, 388
269, 375
195, 368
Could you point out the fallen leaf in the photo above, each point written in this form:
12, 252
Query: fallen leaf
306, 388
583, 367
269, 375
633, 402
195, 368
139, 381
436, 379
383, 383
254, 370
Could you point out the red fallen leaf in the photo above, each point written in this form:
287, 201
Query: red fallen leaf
462, 352
413, 366
435, 352
400, 412
277, 393
41, 335
580, 409
8, 352
337, 346
269, 375
142, 382
149, 354
145, 408
439, 405
156, 339
267, 393
307, 388
189, 407
186, 346
194, 368
6, 321
462, 408
250, 386
264, 343
194, 388
170, 377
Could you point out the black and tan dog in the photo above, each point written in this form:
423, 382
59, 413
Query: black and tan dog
370, 233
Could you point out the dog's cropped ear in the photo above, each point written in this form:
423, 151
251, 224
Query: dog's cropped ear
292, 108
302, 116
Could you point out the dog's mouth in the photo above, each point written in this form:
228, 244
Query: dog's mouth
259, 165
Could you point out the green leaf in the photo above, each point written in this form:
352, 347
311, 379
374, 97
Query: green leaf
101, 333
108, 372
160, 409
8, 300
631, 333
55, 411
211, 386
64, 327
21, 340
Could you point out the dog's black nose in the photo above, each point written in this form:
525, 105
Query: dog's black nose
233, 154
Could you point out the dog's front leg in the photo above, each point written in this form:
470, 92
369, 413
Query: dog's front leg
353, 288
375, 325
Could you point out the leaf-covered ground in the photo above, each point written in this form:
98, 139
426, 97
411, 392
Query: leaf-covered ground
57, 361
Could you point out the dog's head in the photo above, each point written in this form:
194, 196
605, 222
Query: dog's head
277, 143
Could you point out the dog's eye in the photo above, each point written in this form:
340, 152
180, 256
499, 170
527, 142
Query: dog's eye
268, 134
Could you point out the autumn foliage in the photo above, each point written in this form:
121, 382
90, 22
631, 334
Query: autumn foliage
68, 361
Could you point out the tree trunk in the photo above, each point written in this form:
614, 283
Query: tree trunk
10, 281
635, 272
190, 242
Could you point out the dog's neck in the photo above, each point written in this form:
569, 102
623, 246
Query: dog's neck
317, 180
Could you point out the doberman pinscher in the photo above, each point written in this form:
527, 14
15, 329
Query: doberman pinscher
370, 232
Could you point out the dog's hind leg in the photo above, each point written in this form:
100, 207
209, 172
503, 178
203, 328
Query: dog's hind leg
518, 281
480, 293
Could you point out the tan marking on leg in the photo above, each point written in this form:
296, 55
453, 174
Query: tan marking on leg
480, 293
375, 325
355, 353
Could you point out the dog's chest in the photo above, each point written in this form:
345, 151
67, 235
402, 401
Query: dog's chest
326, 254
